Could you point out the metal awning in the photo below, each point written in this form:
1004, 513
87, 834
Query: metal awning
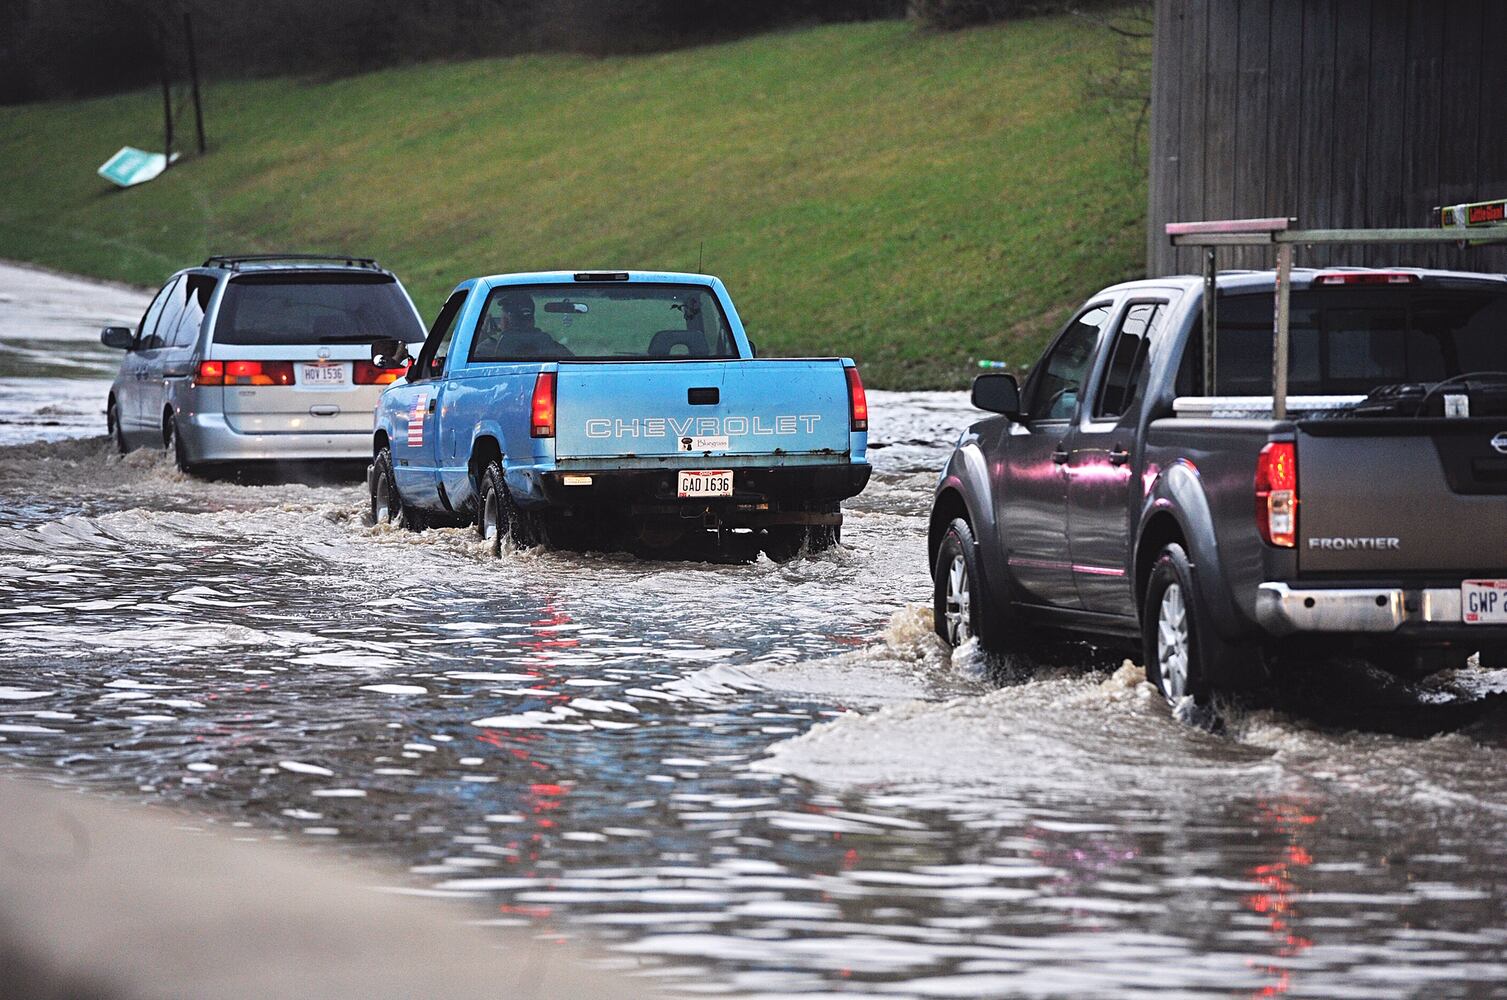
1471, 223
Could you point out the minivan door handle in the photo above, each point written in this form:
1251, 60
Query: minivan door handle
1059, 457
1119, 456
324, 410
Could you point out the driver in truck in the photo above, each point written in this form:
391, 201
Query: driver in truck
509, 332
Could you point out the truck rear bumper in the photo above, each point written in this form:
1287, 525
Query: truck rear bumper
654, 491
1426, 612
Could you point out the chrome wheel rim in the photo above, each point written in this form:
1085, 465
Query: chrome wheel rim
382, 500
959, 603
1172, 646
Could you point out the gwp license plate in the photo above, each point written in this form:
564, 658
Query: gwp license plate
323, 375
705, 483
1483, 602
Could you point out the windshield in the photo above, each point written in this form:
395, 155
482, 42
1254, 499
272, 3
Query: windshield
598, 322
1349, 341
315, 309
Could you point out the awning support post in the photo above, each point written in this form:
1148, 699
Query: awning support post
1211, 318
1280, 333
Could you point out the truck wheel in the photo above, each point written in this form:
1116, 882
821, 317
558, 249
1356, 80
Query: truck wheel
784, 542
386, 502
963, 607
1172, 628
496, 514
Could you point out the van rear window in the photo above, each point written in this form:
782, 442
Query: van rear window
1351, 340
315, 309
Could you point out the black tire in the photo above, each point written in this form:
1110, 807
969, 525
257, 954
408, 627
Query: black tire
497, 515
963, 604
172, 442
387, 504
786, 542
1177, 640
117, 432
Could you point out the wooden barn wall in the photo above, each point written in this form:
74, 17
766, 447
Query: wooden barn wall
1339, 113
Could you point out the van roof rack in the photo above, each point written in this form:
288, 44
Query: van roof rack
1473, 223
234, 261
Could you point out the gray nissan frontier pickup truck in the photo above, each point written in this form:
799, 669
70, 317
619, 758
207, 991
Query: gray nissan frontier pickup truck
1357, 506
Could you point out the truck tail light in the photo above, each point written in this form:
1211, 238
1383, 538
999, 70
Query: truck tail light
244, 373
858, 403
366, 373
544, 405
1277, 494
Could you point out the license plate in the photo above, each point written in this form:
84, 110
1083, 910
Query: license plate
1483, 602
706, 483
323, 375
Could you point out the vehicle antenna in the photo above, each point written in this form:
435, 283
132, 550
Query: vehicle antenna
700, 247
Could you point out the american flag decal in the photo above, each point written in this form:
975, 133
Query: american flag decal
416, 420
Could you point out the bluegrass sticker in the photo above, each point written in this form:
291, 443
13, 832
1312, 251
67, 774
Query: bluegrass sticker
704, 443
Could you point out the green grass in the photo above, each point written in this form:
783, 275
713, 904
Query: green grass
913, 200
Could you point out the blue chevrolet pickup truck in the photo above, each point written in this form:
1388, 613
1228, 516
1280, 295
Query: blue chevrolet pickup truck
604, 408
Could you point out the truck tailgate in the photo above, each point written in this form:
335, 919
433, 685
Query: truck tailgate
1401, 496
668, 408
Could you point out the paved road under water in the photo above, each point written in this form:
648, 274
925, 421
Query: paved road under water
752, 779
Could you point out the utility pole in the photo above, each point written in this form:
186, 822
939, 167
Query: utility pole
193, 76
167, 111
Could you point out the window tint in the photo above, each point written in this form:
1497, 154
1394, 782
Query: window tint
1058, 379
1123, 378
628, 320
432, 359
197, 288
149, 318
167, 322
1352, 340
314, 309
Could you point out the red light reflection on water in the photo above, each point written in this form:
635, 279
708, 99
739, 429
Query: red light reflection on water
1277, 900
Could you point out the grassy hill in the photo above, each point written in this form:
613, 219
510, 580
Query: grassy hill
913, 200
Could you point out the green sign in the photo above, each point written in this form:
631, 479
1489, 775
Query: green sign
132, 166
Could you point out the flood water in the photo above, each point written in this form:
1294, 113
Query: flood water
751, 779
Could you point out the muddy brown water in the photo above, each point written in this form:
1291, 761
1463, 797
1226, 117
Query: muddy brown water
751, 779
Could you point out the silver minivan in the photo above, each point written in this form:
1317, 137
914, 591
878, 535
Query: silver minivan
259, 358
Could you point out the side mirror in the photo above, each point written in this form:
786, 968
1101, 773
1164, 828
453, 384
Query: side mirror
118, 337
997, 392
389, 354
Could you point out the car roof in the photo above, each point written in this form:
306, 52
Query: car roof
1302, 277
573, 277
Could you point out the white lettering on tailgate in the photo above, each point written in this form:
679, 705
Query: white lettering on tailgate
1352, 544
708, 427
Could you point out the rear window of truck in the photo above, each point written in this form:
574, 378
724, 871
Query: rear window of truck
1352, 340
636, 321
314, 309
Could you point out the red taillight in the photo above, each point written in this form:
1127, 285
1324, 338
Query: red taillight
1277, 494
544, 405
858, 403
1365, 278
244, 373
366, 373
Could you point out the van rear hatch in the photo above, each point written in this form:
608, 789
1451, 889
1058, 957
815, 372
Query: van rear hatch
295, 348
698, 408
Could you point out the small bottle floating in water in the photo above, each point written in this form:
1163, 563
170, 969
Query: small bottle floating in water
993, 364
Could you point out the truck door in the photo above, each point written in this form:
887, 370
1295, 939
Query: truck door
1099, 465
1033, 505
416, 438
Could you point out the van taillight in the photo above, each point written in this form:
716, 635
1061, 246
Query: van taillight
366, 373
858, 403
543, 407
1277, 494
244, 373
